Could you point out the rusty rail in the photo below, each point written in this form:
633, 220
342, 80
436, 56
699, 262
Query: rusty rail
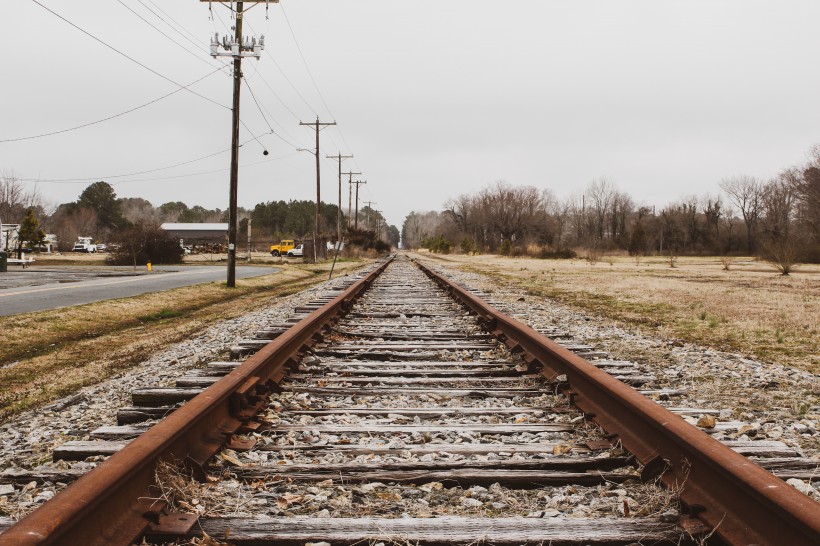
116, 502
742, 502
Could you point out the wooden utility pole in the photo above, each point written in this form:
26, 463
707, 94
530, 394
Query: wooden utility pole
232, 202
236, 48
340, 157
349, 196
378, 224
358, 183
317, 127
250, 221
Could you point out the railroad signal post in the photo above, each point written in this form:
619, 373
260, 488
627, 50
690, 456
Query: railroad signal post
236, 47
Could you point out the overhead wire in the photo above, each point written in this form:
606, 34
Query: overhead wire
133, 60
188, 162
206, 172
282, 72
315, 85
193, 38
304, 61
180, 86
261, 111
134, 109
152, 25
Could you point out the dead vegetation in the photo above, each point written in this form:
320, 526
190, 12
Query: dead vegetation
747, 309
89, 343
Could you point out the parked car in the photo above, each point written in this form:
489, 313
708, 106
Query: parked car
297, 251
84, 247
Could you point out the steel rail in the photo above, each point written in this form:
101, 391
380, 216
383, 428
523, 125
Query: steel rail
116, 502
743, 503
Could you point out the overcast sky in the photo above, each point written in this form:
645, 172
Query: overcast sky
433, 98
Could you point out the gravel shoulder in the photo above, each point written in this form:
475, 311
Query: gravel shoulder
778, 402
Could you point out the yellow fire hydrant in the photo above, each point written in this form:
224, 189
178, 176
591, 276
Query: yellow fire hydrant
148, 265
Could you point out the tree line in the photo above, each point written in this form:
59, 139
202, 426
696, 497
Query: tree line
777, 218
100, 214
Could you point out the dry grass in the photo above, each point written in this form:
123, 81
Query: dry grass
749, 309
86, 344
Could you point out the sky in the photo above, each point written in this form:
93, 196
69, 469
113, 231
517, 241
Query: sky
434, 99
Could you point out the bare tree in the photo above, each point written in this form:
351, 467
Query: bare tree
16, 199
72, 222
745, 192
418, 226
137, 209
600, 193
780, 240
511, 210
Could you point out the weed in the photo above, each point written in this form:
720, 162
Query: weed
161, 314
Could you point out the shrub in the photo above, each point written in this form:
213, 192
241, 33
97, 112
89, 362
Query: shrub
505, 248
437, 244
366, 240
559, 254
144, 243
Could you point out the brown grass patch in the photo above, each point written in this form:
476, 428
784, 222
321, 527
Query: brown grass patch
87, 344
748, 309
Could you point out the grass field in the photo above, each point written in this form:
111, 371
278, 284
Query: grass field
86, 344
749, 309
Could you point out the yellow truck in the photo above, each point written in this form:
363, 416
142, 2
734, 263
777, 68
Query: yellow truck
282, 248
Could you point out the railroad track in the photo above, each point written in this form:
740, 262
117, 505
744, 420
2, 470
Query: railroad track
413, 418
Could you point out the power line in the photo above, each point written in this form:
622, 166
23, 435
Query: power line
193, 39
200, 173
304, 61
315, 85
206, 172
150, 24
113, 116
133, 60
281, 127
139, 172
275, 94
276, 64
248, 85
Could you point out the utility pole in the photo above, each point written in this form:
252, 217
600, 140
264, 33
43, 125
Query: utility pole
378, 224
317, 124
349, 195
340, 157
237, 47
369, 212
250, 220
358, 183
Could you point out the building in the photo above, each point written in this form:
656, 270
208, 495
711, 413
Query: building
8, 236
197, 233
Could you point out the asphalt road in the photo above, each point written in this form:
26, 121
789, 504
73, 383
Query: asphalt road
35, 289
